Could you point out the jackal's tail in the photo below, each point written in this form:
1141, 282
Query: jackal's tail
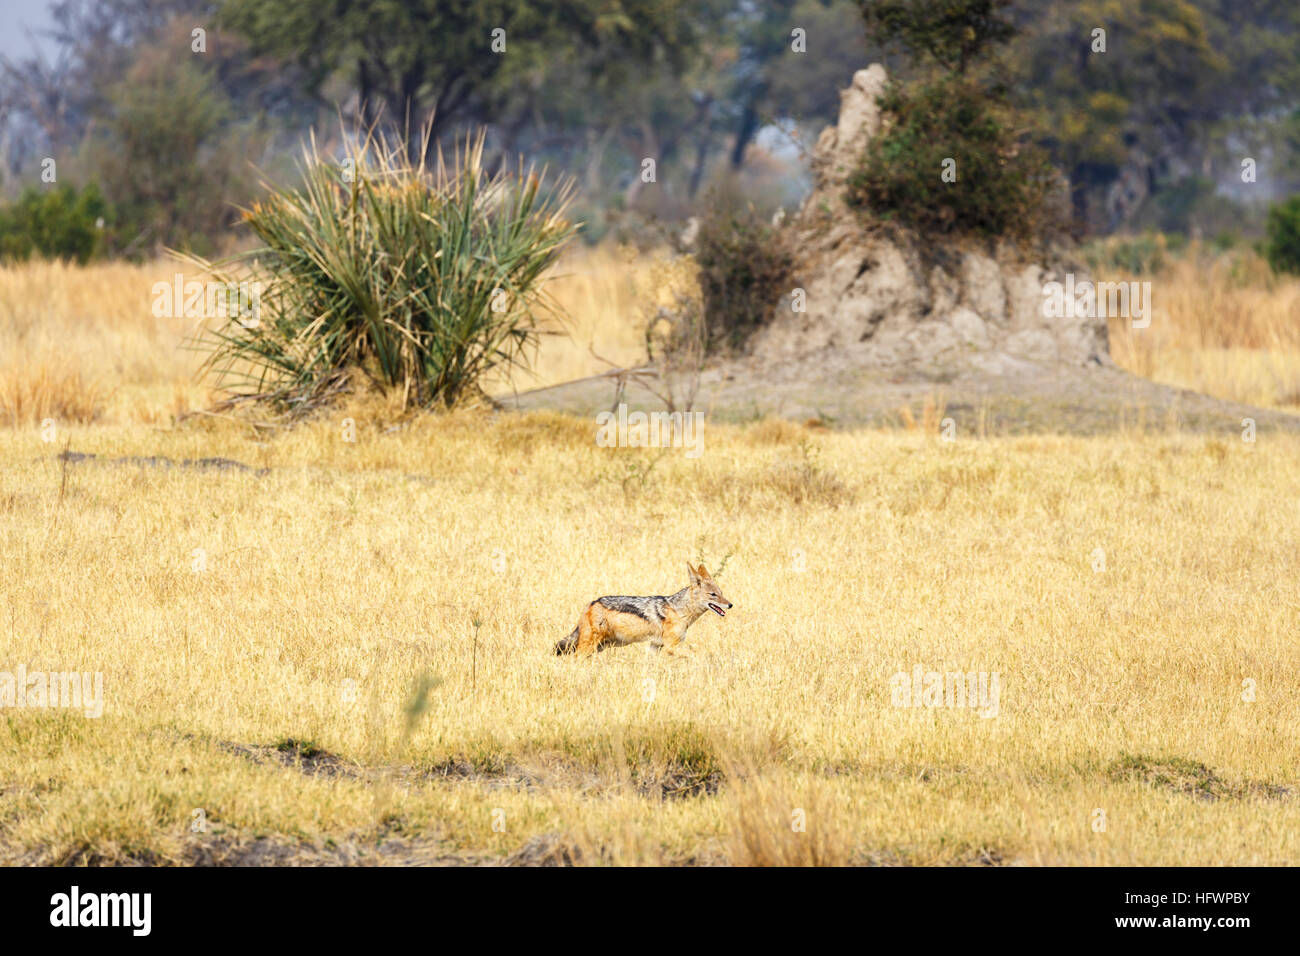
569, 644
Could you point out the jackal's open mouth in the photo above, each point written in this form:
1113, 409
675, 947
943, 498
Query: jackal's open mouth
717, 610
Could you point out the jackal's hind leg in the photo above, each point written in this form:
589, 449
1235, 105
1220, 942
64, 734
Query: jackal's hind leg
591, 630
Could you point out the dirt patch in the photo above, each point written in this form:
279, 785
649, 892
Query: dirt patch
303, 756
230, 849
547, 849
1179, 775
976, 856
494, 777
156, 461
656, 779
671, 781
350, 851
1032, 399
678, 781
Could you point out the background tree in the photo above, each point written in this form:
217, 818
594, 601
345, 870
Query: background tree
166, 150
950, 33
1120, 120
430, 61
1150, 134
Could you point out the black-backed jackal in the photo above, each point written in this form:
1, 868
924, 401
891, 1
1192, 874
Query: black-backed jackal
662, 621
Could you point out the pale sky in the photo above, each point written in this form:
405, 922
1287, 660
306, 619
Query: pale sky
20, 23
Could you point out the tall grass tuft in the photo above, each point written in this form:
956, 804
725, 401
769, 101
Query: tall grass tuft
422, 277
30, 394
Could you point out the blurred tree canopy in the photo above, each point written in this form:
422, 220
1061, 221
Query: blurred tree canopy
951, 33
1150, 120
434, 61
1123, 115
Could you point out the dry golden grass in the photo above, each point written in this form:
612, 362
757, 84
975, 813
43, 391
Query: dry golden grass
1223, 325
606, 294
349, 572
82, 344
320, 680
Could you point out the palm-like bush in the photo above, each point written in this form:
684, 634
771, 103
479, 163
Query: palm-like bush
422, 277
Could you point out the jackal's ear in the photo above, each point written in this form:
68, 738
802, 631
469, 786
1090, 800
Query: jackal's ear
704, 574
695, 577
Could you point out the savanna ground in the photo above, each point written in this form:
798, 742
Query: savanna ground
325, 650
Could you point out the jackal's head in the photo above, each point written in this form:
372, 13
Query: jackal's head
705, 592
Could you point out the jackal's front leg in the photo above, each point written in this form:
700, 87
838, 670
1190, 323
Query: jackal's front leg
672, 640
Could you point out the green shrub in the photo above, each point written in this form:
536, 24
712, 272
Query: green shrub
1226, 240
954, 156
57, 223
744, 270
424, 280
1143, 254
1282, 242
1001, 182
